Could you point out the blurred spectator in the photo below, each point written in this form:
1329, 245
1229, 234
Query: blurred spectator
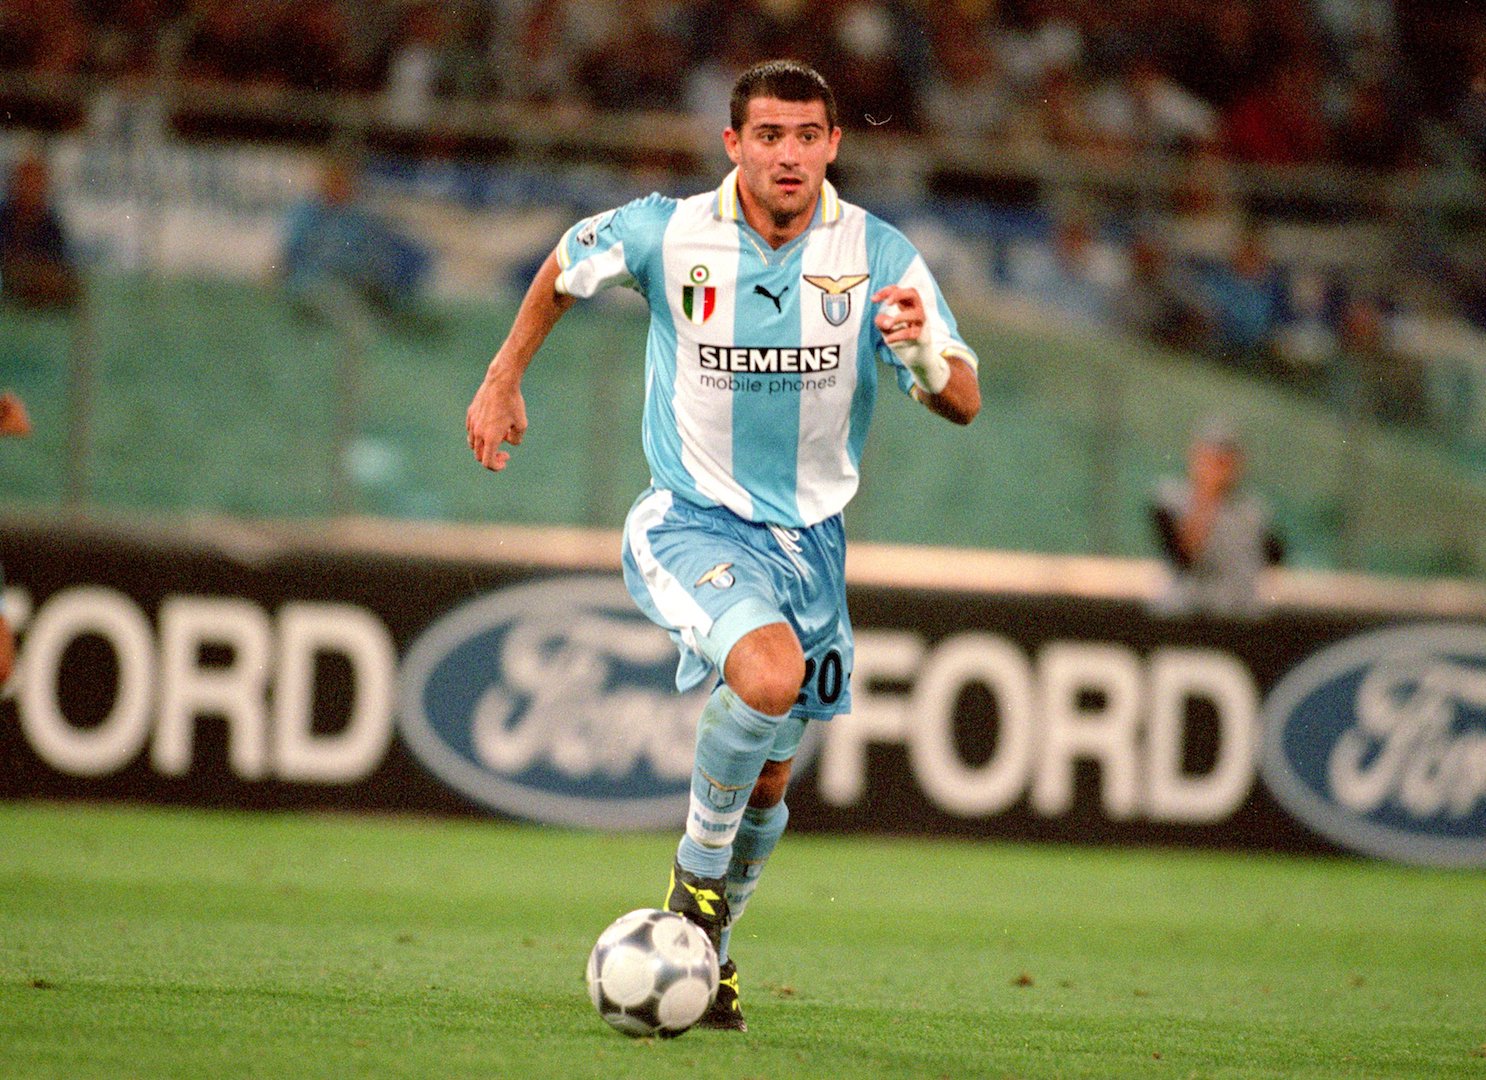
1060, 117
1217, 55
138, 30
42, 36
1157, 301
1305, 345
709, 85
126, 108
862, 58
1146, 109
1371, 377
1469, 113
1214, 535
231, 41
339, 251
553, 34
968, 94
36, 261
639, 65
13, 422
1206, 215
440, 51
1347, 24
1040, 37
310, 46
1071, 274
1374, 132
1246, 295
413, 71
1279, 121
1424, 328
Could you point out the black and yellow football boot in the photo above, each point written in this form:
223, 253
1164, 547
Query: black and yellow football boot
726, 1011
704, 901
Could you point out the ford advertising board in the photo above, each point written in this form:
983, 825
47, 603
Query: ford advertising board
1379, 743
553, 700
155, 666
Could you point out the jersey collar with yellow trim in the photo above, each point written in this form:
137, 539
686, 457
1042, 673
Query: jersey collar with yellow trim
725, 205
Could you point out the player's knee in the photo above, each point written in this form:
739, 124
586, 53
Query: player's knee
774, 693
765, 668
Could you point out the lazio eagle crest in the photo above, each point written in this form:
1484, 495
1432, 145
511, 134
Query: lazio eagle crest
835, 295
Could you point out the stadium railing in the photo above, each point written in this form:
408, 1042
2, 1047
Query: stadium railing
215, 397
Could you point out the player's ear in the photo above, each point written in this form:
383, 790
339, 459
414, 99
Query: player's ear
835, 140
730, 143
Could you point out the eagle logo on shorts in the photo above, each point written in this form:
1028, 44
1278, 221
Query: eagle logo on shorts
835, 294
719, 577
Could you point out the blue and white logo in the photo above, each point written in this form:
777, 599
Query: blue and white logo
1379, 743
554, 701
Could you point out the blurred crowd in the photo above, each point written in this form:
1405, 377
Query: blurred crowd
1366, 82
1397, 86
1393, 345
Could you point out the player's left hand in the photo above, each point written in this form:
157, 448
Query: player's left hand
496, 415
901, 316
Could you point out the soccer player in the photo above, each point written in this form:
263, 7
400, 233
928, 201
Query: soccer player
772, 301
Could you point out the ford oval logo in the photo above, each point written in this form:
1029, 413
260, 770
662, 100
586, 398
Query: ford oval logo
554, 701
1379, 743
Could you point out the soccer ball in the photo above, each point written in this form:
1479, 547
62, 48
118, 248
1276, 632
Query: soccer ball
652, 972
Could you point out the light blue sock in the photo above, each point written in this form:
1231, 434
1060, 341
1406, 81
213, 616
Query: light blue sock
757, 836
733, 741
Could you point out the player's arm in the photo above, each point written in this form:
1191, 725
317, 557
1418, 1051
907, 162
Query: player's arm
959, 401
498, 412
945, 383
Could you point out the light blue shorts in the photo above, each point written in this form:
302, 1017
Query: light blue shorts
709, 577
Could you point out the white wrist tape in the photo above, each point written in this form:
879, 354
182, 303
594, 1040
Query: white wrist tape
929, 368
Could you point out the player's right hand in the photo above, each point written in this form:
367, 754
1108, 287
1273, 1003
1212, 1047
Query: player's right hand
497, 415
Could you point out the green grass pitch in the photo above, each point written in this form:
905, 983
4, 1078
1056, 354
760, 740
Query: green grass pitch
172, 943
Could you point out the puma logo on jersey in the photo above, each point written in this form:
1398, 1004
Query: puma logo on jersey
759, 290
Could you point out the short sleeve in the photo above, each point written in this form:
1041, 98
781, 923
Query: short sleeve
615, 247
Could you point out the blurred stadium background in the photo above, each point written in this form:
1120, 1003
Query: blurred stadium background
252, 564
1146, 212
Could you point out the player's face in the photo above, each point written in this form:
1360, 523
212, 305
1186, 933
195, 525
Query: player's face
1216, 468
781, 152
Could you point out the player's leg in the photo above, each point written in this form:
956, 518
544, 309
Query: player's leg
817, 601
762, 670
735, 734
817, 604
763, 824
723, 588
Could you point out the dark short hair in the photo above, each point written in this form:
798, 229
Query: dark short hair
787, 80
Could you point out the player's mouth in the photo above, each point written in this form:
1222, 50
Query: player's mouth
790, 184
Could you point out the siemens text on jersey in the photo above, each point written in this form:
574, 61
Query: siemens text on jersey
754, 360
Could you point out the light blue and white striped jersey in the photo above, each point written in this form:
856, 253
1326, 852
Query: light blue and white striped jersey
761, 365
